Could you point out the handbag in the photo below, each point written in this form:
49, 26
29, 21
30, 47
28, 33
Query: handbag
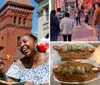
95, 32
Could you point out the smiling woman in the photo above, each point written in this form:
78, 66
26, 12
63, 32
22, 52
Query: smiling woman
33, 68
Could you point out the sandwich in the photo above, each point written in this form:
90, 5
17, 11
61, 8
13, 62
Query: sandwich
74, 71
74, 51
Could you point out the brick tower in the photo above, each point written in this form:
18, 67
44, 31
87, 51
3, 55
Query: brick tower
15, 20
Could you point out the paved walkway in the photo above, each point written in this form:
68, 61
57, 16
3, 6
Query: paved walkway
82, 32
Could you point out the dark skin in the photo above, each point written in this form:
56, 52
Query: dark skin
2, 64
32, 58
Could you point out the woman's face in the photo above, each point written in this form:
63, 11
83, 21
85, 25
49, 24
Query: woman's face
27, 45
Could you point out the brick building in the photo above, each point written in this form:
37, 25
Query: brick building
15, 20
88, 4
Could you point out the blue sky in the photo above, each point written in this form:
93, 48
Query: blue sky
35, 15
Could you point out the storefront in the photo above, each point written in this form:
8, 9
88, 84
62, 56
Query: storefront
70, 4
64, 4
67, 4
89, 3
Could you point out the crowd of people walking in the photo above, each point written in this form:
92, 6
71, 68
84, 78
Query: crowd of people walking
62, 24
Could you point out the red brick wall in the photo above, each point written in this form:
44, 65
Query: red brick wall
9, 41
8, 18
9, 32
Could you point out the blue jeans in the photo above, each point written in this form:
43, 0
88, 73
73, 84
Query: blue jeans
78, 21
98, 28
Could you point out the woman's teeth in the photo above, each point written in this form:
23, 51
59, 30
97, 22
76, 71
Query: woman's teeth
24, 49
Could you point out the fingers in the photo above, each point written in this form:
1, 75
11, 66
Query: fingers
2, 64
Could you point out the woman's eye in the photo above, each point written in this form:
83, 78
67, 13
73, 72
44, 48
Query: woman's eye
25, 41
18, 44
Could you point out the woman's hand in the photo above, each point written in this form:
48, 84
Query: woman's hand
2, 64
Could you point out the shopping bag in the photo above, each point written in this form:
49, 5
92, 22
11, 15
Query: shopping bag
95, 32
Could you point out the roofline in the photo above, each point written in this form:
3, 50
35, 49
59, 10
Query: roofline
16, 4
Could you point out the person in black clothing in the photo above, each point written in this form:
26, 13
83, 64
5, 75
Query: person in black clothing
77, 16
86, 19
54, 26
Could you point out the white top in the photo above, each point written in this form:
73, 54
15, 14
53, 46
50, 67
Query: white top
66, 26
36, 75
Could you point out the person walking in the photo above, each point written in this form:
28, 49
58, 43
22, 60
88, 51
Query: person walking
59, 14
77, 17
66, 27
96, 19
54, 26
86, 19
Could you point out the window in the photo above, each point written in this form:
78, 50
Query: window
24, 21
15, 19
19, 21
2, 38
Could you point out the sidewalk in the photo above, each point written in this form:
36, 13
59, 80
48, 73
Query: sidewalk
82, 33
91, 38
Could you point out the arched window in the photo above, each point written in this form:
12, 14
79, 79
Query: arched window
24, 21
15, 19
19, 20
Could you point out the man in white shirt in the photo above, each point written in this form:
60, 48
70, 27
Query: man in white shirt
66, 27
